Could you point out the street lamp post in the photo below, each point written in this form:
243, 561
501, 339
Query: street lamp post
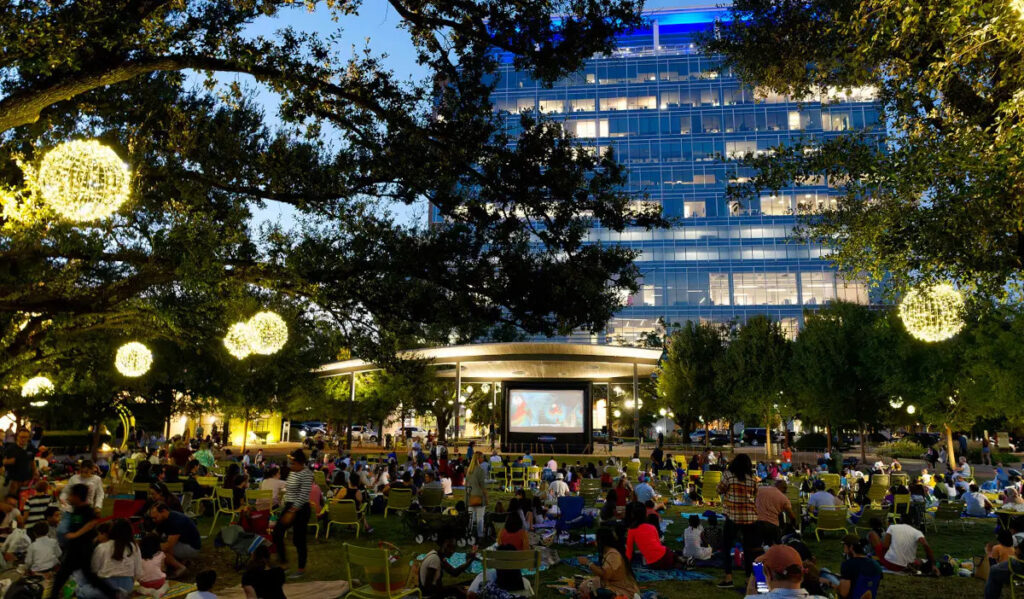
636, 412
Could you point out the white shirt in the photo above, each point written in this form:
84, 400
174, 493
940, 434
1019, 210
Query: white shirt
557, 489
495, 459
43, 554
903, 546
432, 561
276, 485
492, 575
691, 542
94, 497
975, 504
105, 566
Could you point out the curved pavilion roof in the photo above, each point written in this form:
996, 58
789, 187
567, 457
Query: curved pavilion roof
522, 361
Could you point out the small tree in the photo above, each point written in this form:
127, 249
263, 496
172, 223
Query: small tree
754, 369
687, 379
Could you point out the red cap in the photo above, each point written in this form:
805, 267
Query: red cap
782, 560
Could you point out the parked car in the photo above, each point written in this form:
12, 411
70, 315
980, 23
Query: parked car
364, 433
312, 427
413, 432
716, 438
923, 439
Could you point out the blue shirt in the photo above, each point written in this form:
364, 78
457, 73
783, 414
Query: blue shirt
644, 492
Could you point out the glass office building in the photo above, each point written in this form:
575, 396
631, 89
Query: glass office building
679, 127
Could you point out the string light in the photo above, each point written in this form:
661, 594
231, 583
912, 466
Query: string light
239, 340
83, 180
933, 313
270, 333
896, 403
133, 359
1018, 6
37, 385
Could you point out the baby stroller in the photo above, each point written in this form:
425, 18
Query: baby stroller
427, 524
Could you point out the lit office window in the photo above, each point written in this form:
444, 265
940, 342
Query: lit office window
552, 106
754, 289
777, 205
852, 291
814, 203
817, 287
642, 103
588, 129
669, 99
739, 149
794, 120
719, 289
616, 103
582, 104
836, 120
694, 210
524, 105
790, 327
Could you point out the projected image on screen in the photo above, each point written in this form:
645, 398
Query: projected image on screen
545, 411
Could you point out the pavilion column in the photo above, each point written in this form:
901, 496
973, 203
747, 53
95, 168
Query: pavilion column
494, 407
608, 415
458, 397
351, 408
636, 407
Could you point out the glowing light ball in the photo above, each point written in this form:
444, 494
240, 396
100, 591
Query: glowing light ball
617, 413
239, 340
896, 403
270, 333
83, 180
133, 359
911, 409
934, 313
36, 386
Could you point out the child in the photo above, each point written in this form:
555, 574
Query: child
43, 554
35, 506
153, 580
204, 582
11, 519
695, 544
52, 517
78, 541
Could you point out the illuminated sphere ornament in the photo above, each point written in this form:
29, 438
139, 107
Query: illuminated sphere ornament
239, 340
37, 385
911, 409
83, 180
133, 359
934, 313
270, 333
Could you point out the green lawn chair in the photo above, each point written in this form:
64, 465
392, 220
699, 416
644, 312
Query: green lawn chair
384, 580
830, 519
515, 560
399, 500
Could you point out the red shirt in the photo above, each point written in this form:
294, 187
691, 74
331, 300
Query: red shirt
645, 537
621, 496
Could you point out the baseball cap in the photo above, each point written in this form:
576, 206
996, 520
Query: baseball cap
782, 560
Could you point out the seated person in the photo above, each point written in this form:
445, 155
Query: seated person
821, 498
695, 545
435, 565
509, 581
514, 534
899, 549
857, 570
181, 537
1002, 549
557, 488
261, 581
784, 572
644, 492
646, 538
977, 505
613, 574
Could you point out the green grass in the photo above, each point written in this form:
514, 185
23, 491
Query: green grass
326, 559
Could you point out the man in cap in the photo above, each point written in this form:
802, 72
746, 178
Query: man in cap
784, 572
557, 488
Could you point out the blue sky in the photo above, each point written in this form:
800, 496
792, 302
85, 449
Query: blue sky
376, 25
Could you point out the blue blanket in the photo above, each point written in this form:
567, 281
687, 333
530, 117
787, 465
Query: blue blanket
458, 558
643, 574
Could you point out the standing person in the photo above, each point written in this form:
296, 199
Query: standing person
77, 538
296, 512
963, 446
19, 462
94, 494
476, 492
738, 490
986, 451
771, 502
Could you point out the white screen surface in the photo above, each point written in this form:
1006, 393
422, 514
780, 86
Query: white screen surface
545, 411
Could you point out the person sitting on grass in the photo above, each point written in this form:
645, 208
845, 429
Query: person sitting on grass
695, 545
435, 565
513, 533
500, 583
261, 581
784, 572
612, 576
899, 549
976, 504
43, 553
1002, 573
646, 538
181, 537
856, 570
609, 511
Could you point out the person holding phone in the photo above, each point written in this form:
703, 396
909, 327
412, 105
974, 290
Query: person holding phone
296, 511
781, 572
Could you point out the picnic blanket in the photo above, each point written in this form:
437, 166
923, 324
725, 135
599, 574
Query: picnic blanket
458, 558
320, 589
177, 590
643, 574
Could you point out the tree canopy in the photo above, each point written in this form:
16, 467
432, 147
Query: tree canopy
350, 144
941, 197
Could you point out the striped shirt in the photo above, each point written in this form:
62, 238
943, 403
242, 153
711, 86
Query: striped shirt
298, 487
36, 506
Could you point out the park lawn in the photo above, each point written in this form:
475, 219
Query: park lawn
327, 562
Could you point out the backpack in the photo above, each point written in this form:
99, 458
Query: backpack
378, 505
26, 587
